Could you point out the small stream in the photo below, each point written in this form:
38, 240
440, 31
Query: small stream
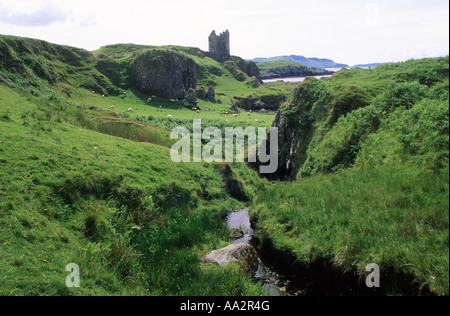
271, 279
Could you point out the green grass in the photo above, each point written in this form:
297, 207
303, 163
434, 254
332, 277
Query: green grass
355, 218
161, 108
135, 223
334, 116
83, 180
372, 175
84, 183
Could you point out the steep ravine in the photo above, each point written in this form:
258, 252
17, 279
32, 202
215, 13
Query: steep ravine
282, 273
324, 278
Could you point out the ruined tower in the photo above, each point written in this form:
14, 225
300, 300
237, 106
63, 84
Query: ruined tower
219, 46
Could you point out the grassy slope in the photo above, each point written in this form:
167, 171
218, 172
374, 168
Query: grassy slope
64, 201
113, 210
81, 185
386, 200
209, 71
75, 70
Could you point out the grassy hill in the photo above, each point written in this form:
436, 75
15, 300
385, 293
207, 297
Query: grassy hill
85, 183
28, 64
86, 176
367, 151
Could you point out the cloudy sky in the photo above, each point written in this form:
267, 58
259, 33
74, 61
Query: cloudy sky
347, 31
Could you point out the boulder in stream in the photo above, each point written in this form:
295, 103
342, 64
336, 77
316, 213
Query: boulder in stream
243, 254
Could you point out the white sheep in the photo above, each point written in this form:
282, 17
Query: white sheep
169, 116
130, 109
235, 115
112, 107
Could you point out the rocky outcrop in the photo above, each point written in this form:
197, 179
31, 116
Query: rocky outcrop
291, 135
209, 95
301, 122
164, 73
250, 68
242, 254
9, 61
290, 138
270, 103
242, 70
191, 97
293, 71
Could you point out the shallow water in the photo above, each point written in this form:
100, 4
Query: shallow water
241, 219
272, 280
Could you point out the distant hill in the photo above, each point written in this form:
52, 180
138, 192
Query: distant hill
285, 69
305, 61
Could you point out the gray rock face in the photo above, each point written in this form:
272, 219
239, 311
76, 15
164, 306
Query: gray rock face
289, 140
164, 73
191, 97
211, 94
242, 254
201, 93
270, 103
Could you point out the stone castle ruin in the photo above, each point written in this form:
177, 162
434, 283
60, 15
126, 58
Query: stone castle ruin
219, 46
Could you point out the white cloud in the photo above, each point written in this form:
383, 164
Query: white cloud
348, 31
374, 15
31, 13
38, 13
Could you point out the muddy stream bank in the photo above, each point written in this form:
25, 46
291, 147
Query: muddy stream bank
283, 274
